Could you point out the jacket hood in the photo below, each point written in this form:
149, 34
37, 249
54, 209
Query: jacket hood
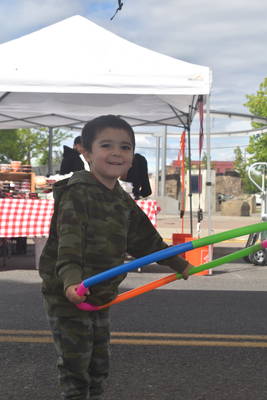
68, 151
80, 177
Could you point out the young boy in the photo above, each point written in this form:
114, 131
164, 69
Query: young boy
94, 224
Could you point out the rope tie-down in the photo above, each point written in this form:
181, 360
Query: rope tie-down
170, 252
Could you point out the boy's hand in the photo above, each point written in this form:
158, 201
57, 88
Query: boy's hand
73, 297
186, 271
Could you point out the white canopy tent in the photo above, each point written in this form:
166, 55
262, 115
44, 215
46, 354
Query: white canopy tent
74, 70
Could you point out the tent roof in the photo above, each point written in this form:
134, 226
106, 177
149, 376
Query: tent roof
74, 70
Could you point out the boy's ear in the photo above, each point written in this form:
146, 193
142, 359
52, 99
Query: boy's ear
87, 156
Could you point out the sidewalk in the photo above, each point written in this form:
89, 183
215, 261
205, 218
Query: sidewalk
166, 225
169, 224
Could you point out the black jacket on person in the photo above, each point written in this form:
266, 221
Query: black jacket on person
71, 161
138, 176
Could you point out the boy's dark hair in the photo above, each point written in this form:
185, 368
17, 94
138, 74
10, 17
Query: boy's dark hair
96, 125
77, 140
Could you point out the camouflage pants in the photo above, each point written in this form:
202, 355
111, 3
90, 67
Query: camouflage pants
82, 346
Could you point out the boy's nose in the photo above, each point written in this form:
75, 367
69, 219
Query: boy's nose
116, 151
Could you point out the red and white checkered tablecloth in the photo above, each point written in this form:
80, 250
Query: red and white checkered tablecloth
150, 208
19, 217
31, 218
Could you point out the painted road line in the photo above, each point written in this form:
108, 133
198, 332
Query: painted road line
188, 343
145, 334
146, 342
190, 335
148, 338
25, 339
24, 332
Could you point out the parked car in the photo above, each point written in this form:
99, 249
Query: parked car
260, 257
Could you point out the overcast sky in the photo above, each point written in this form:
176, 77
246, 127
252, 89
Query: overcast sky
228, 36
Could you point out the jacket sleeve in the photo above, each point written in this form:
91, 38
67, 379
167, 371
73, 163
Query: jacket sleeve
71, 230
64, 167
144, 239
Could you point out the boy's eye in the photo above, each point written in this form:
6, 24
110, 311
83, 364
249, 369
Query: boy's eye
123, 147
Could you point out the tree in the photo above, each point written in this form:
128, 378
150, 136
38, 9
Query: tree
204, 162
257, 147
9, 149
239, 162
27, 144
241, 165
257, 103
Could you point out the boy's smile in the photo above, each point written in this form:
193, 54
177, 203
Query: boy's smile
111, 155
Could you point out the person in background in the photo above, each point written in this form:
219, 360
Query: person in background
138, 176
95, 222
72, 160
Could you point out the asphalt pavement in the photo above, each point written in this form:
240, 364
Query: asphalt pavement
200, 339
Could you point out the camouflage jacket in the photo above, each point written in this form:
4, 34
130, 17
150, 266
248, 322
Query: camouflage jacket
91, 230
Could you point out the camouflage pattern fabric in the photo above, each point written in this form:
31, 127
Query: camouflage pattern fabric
82, 347
92, 229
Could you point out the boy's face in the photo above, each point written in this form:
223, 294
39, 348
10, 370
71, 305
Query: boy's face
111, 155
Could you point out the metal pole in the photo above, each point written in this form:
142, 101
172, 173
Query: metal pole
163, 161
157, 166
50, 150
189, 179
208, 182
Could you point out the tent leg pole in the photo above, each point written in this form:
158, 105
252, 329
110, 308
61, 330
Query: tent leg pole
50, 150
189, 180
208, 183
163, 161
157, 166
